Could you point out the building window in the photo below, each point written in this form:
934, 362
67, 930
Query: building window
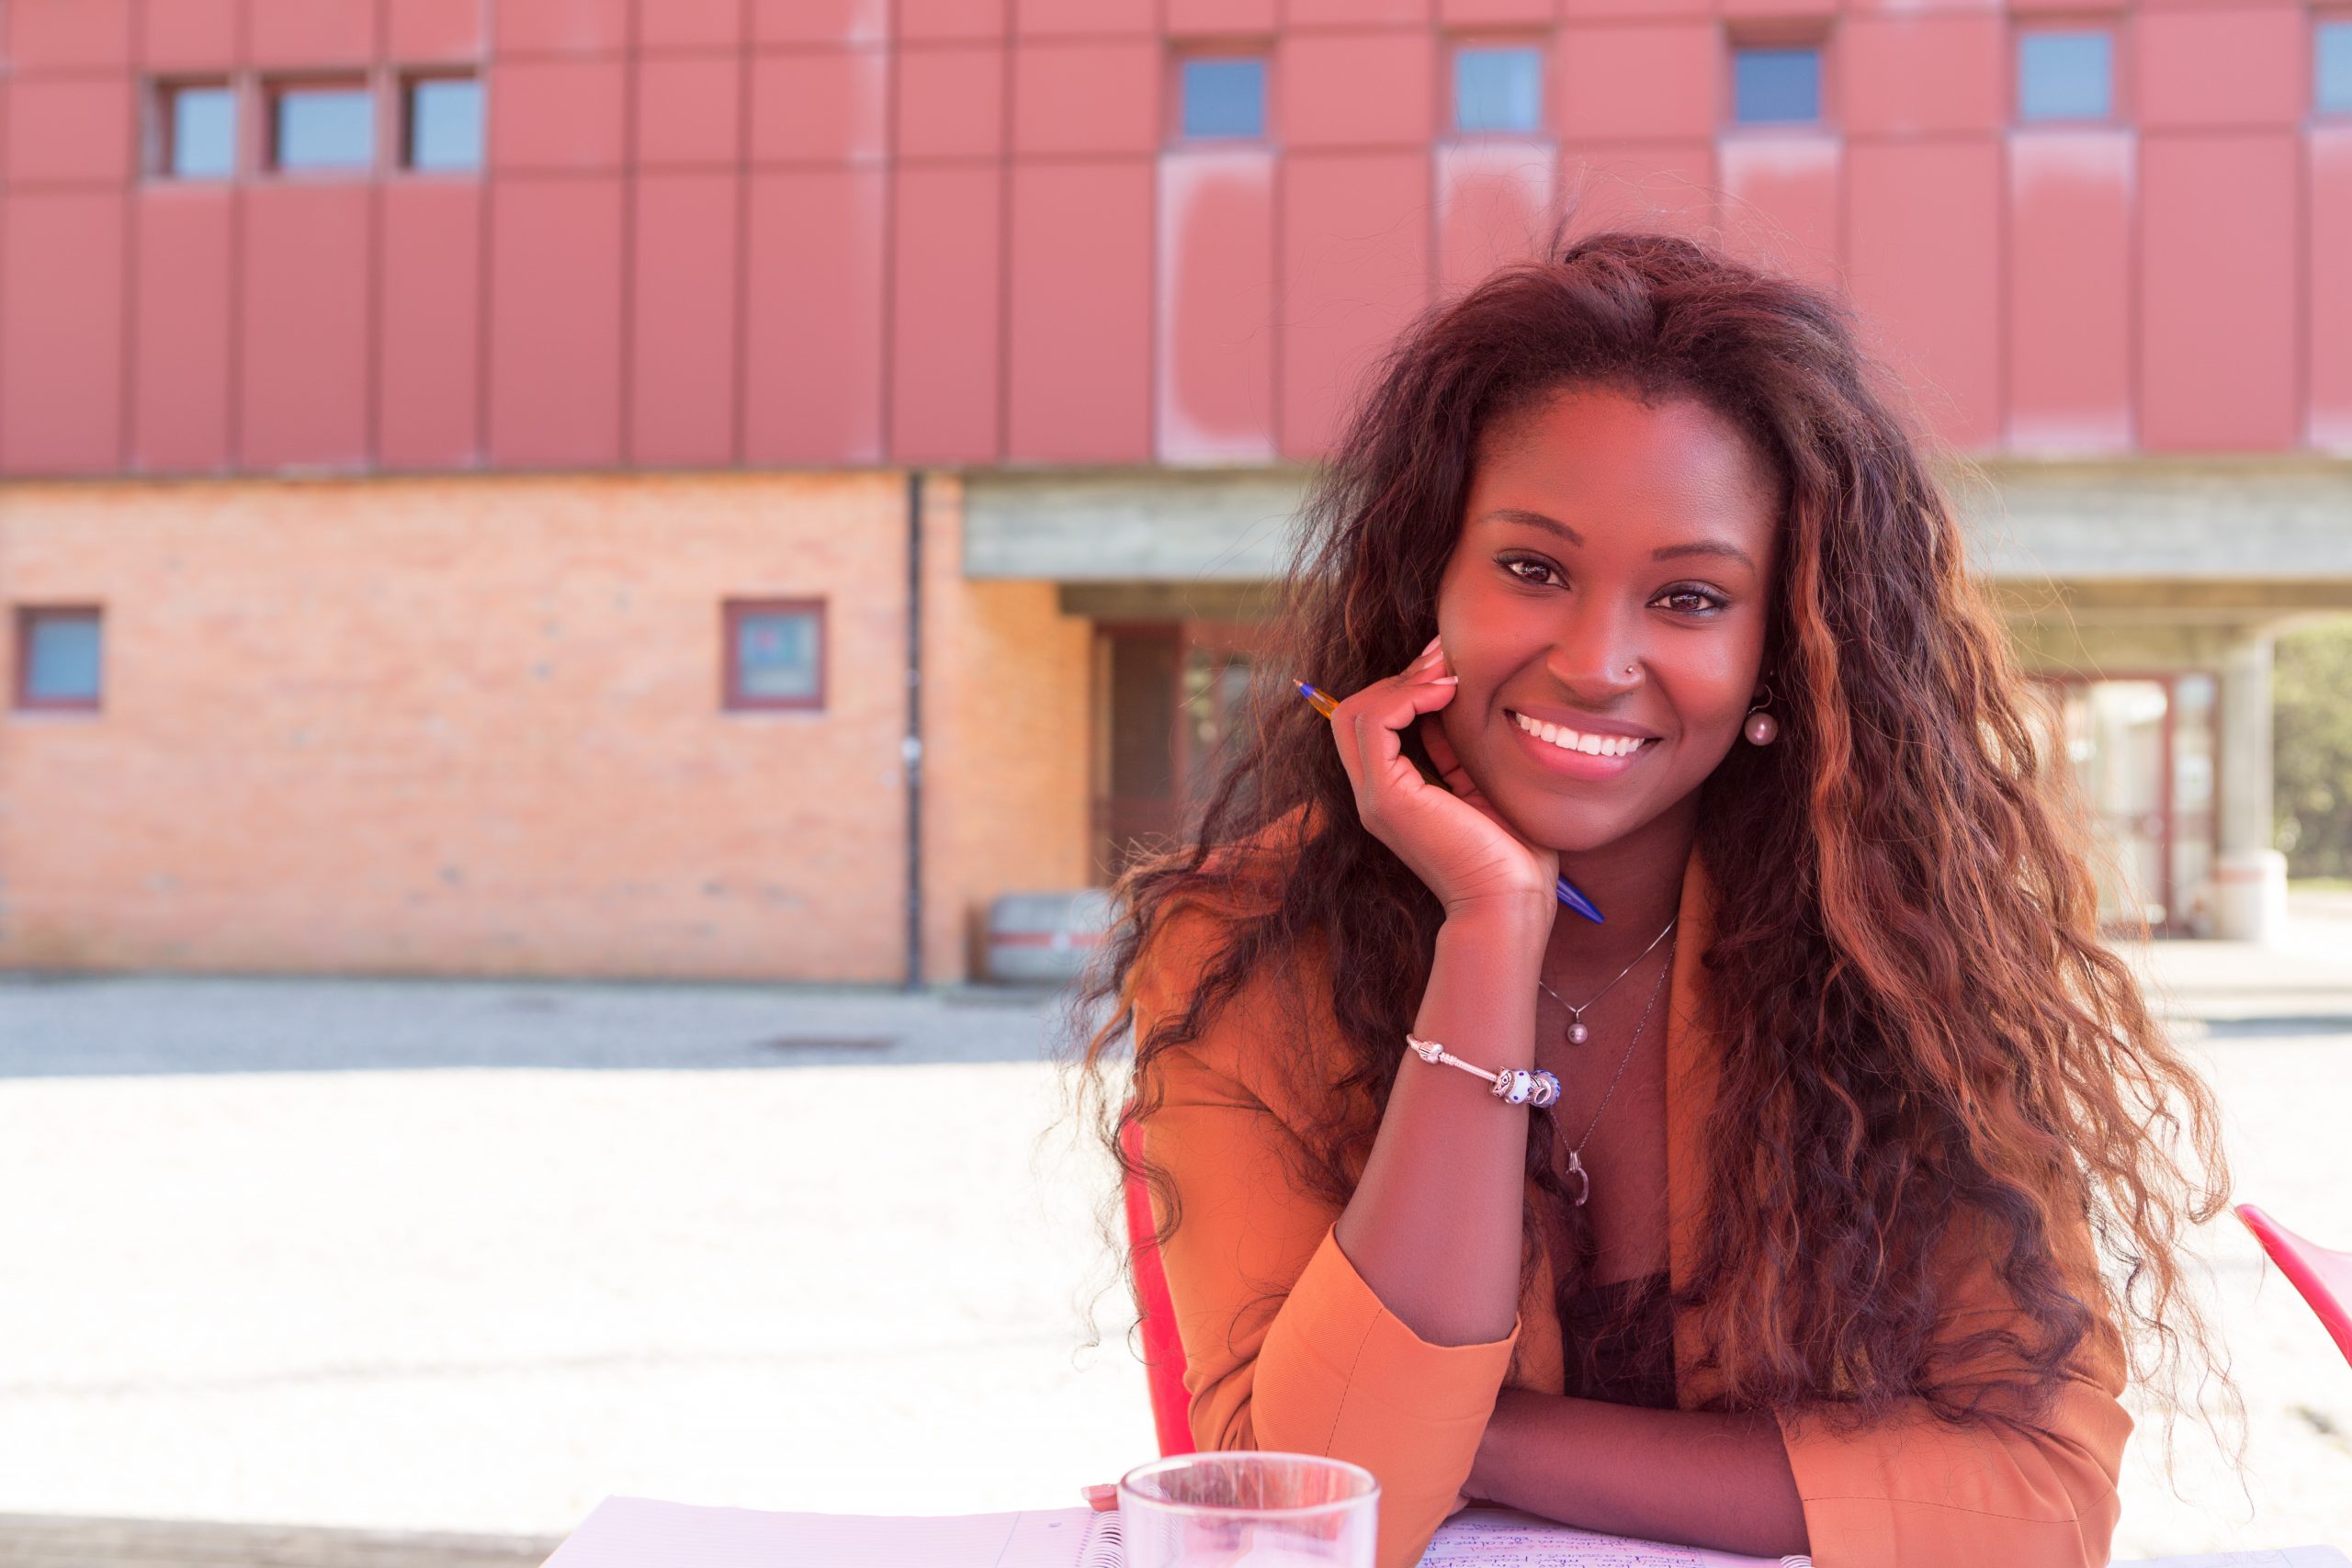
2066, 75
1776, 86
1498, 89
197, 125
2331, 68
776, 653
444, 124
1222, 98
57, 658
321, 127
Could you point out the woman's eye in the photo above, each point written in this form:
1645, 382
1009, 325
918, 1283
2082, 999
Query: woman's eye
1539, 572
1690, 601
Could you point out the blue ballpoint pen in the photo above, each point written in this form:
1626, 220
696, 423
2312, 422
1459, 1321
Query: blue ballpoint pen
1570, 895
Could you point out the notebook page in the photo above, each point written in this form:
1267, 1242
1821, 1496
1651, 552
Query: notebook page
638, 1532
1512, 1540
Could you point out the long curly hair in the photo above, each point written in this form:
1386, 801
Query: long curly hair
1924, 1038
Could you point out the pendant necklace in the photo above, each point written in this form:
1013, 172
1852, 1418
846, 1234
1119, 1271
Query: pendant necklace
1577, 1032
1576, 1155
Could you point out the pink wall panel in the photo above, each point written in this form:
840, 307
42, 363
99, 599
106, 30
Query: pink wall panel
1633, 84
555, 323
535, 27
813, 327
690, 24
1356, 89
429, 345
1647, 10
822, 105
1355, 248
557, 114
1925, 276
1089, 98
1044, 18
179, 376
947, 297
310, 33
1354, 13
2218, 292
689, 110
1493, 13
1923, 72
1781, 202
2240, 64
1646, 185
306, 255
2331, 308
58, 35
952, 18
1214, 19
433, 29
1078, 380
951, 101
189, 35
1493, 206
60, 319
2070, 290
1214, 314
70, 128
821, 21
682, 371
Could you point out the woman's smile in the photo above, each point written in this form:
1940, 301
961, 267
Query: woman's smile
1598, 750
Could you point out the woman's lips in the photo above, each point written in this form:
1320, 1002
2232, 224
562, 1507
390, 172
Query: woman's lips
1615, 754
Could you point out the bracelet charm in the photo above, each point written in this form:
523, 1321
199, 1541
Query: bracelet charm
1512, 1086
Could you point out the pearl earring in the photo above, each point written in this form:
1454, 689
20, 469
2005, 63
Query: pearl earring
1761, 728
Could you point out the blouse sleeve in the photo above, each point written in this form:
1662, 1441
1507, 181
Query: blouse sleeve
1285, 1346
1915, 1491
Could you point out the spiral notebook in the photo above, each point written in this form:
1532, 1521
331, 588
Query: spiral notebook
635, 1532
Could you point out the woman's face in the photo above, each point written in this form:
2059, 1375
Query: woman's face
1611, 584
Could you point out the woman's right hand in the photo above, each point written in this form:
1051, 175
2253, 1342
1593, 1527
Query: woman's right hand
1452, 838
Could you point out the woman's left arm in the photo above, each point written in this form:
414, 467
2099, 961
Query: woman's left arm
1681, 1475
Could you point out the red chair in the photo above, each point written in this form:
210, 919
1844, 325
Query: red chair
1163, 1352
2323, 1277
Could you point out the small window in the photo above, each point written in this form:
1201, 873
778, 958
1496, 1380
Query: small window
2066, 75
1224, 97
57, 659
2331, 68
316, 128
199, 125
1776, 86
444, 123
1498, 89
776, 653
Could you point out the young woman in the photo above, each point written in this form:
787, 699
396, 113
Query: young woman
1806, 1252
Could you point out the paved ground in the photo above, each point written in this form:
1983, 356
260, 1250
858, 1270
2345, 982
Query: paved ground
467, 1258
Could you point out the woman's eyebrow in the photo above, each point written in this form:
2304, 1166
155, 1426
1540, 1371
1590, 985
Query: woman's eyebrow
1723, 548
1534, 520
1519, 514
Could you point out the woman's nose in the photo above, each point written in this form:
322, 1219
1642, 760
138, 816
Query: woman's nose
1595, 660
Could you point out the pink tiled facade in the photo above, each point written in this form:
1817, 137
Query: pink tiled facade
828, 233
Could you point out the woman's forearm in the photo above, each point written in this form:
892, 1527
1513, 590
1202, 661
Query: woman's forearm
1434, 1225
1694, 1477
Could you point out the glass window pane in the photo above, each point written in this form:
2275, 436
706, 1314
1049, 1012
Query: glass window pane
61, 659
1498, 89
1224, 98
203, 132
775, 656
445, 124
325, 128
2332, 51
2066, 75
1776, 86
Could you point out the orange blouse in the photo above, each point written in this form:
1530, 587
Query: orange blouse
1287, 1348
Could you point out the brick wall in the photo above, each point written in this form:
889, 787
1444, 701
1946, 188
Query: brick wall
472, 725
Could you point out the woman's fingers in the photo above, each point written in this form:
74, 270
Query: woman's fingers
1367, 723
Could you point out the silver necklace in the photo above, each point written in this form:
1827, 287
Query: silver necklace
1576, 1155
1577, 1032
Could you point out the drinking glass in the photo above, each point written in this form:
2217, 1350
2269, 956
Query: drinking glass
1242, 1510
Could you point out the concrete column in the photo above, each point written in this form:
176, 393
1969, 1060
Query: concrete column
2250, 895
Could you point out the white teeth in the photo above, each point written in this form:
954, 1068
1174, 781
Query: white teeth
1571, 741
